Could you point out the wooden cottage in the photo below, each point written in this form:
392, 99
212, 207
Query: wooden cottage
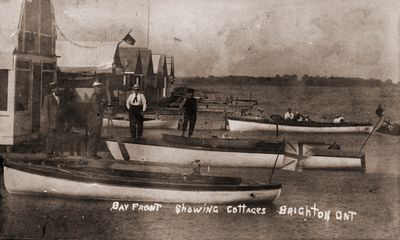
27, 65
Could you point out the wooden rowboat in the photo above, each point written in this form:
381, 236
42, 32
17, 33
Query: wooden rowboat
246, 123
303, 155
31, 175
227, 153
148, 150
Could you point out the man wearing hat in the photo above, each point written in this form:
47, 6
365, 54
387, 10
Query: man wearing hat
188, 108
136, 105
52, 120
95, 120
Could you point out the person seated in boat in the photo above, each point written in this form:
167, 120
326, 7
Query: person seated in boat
196, 167
307, 118
334, 146
338, 119
289, 115
298, 117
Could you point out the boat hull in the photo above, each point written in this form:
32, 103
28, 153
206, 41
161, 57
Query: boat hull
23, 182
244, 125
149, 124
185, 156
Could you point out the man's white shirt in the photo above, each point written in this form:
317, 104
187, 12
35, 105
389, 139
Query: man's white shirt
140, 100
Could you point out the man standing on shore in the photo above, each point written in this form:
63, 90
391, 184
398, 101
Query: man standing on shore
136, 105
188, 108
52, 122
95, 120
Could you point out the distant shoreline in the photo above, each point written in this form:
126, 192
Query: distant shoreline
290, 80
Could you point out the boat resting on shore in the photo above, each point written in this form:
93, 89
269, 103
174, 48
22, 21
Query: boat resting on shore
179, 153
216, 152
249, 123
30, 174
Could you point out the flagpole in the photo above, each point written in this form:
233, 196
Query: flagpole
148, 22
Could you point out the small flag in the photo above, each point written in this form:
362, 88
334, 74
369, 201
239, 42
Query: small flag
129, 39
379, 110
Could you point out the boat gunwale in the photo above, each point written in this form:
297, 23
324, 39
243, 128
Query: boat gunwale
310, 124
200, 148
104, 179
208, 144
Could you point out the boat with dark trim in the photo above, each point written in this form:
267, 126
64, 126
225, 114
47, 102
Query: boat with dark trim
251, 123
34, 174
179, 153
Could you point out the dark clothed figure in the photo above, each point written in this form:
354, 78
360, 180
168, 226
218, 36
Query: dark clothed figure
52, 124
334, 146
189, 110
196, 167
95, 121
136, 121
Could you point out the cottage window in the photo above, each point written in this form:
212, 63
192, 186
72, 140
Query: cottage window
30, 42
3, 89
22, 90
22, 85
46, 47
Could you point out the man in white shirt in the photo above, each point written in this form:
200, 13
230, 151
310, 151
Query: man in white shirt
289, 115
338, 119
136, 105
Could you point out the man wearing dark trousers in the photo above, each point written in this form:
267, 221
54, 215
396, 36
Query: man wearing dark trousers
136, 106
52, 120
95, 120
189, 110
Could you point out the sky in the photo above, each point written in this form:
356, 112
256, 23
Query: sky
358, 38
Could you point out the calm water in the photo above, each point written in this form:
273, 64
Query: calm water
372, 197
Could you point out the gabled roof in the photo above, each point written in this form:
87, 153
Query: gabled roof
88, 56
160, 64
147, 62
130, 58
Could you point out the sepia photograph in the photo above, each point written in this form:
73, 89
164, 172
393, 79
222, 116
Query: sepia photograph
199, 119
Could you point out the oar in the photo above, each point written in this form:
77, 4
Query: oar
379, 112
369, 134
276, 160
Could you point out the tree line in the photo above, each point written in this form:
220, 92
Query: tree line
292, 80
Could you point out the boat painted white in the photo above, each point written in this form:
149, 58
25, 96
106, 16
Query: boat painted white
318, 156
21, 182
155, 123
185, 156
330, 162
242, 125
